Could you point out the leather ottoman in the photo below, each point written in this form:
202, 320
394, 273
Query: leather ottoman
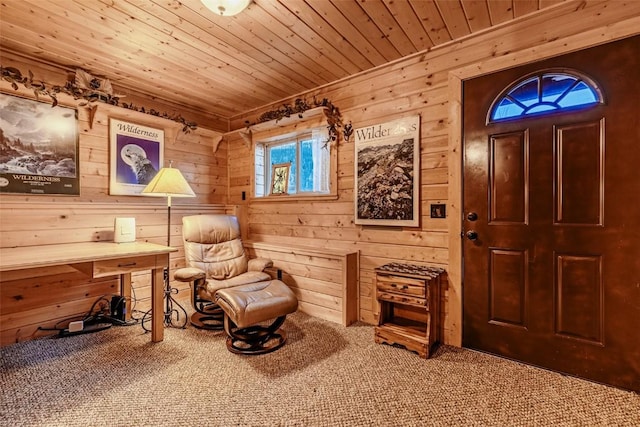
247, 306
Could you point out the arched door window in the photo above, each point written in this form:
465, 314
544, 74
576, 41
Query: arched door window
545, 92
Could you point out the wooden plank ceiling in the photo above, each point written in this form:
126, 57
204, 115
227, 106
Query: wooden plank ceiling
183, 53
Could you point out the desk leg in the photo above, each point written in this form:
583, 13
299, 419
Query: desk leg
157, 296
125, 291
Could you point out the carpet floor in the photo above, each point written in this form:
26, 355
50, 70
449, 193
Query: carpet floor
326, 375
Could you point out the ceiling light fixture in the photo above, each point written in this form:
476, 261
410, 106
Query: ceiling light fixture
226, 7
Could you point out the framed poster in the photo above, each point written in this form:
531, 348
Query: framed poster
387, 172
136, 156
38, 148
280, 178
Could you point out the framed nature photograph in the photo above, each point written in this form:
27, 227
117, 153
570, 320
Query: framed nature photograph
280, 178
38, 148
387, 172
136, 156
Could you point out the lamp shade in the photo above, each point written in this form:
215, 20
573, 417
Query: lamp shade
169, 182
226, 7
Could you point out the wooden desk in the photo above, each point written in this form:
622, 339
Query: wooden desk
100, 259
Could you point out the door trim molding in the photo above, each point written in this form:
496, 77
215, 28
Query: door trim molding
587, 39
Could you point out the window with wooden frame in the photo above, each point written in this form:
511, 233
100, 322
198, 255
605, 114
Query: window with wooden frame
312, 160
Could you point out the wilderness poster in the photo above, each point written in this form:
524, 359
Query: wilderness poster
38, 148
136, 156
387, 173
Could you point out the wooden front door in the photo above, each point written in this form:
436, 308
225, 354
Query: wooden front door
551, 251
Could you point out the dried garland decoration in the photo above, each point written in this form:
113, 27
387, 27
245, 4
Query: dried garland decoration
331, 112
86, 87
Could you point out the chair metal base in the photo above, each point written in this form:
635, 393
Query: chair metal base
208, 316
255, 339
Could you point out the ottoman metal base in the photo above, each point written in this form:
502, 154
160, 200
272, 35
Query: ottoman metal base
256, 339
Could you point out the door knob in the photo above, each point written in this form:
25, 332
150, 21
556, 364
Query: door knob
472, 216
472, 235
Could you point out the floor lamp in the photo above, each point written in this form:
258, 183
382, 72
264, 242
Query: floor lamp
169, 183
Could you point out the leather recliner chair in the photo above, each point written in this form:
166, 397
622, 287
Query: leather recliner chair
215, 260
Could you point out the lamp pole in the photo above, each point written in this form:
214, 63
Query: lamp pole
168, 290
169, 183
169, 220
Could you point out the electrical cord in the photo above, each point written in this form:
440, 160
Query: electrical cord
115, 321
134, 302
57, 327
98, 316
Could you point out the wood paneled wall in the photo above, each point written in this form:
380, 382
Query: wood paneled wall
426, 84
45, 297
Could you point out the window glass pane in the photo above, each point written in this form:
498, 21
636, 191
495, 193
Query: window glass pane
541, 108
314, 165
259, 168
554, 85
579, 95
506, 109
306, 165
285, 153
526, 92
